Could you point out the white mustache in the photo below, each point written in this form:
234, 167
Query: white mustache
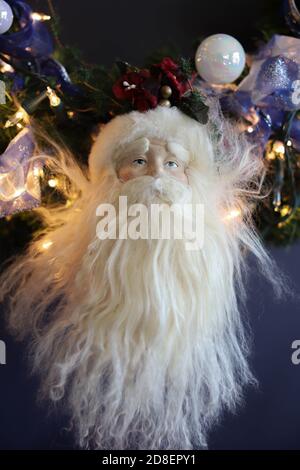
164, 188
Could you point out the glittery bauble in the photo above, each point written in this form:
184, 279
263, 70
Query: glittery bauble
276, 78
220, 59
6, 17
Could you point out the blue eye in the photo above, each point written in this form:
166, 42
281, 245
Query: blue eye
171, 164
139, 162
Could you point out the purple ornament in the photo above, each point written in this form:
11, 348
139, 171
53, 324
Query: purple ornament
19, 180
31, 47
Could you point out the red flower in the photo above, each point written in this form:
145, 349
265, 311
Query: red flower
136, 87
141, 89
169, 73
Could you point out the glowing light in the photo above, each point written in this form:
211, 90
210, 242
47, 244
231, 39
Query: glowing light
233, 214
250, 129
53, 182
70, 114
270, 156
20, 115
40, 16
38, 172
53, 98
289, 143
46, 245
285, 210
275, 150
278, 147
5, 67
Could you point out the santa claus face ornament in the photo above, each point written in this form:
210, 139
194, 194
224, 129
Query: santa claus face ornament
140, 339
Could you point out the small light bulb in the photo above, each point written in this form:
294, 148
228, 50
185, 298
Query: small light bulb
278, 147
38, 171
53, 98
285, 210
53, 182
270, 156
233, 214
46, 244
40, 16
5, 67
20, 115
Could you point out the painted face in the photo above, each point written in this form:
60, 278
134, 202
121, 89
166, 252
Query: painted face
153, 157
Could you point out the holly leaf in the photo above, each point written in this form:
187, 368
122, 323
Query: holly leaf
122, 66
125, 67
187, 67
192, 104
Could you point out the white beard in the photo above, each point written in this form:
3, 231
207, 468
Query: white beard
145, 344
142, 340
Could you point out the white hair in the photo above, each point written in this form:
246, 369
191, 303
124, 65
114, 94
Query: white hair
142, 340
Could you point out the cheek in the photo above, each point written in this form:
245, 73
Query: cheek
127, 173
181, 175
184, 177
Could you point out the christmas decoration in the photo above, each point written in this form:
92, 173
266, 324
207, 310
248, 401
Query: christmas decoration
268, 100
219, 59
19, 176
6, 17
107, 302
206, 131
49, 83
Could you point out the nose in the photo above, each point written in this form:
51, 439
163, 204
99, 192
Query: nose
155, 170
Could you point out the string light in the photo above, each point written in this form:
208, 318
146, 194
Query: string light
53, 98
40, 16
38, 172
233, 214
275, 149
278, 147
5, 67
53, 182
46, 245
20, 115
285, 210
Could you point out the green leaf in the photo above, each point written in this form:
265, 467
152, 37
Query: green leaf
187, 67
194, 106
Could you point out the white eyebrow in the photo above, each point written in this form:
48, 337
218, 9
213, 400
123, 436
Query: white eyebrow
179, 151
136, 147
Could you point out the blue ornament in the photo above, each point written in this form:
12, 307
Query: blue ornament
276, 78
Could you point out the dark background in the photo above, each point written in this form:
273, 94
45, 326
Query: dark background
270, 416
